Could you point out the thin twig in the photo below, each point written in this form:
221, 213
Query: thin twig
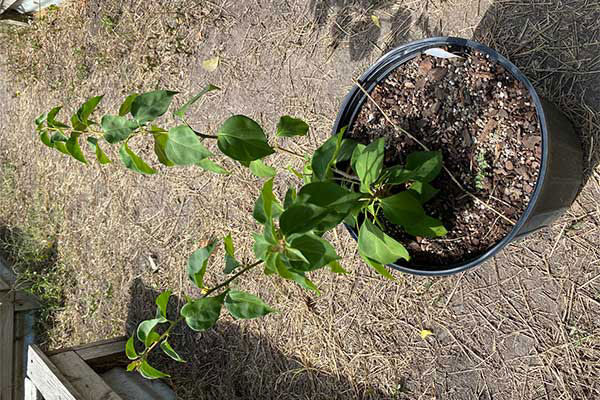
345, 175
460, 186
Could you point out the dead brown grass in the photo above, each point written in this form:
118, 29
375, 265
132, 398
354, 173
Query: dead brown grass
523, 326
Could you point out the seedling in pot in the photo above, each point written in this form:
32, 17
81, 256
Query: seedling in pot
343, 181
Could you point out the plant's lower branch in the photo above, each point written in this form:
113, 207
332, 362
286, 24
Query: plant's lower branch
228, 281
277, 147
204, 136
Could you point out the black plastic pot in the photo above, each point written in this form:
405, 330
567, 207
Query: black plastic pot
561, 170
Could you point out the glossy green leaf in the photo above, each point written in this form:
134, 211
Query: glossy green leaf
133, 161
230, 262
183, 109
290, 126
87, 108
380, 268
284, 269
323, 158
427, 227
183, 147
329, 195
202, 314
168, 350
261, 246
133, 365
149, 372
46, 139
290, 197
397, 175
149, 106
130, 349
374, 244
266, 206
300, 218
145, 328
369, 163
162, 301
243, 139
51, 119
39, 121
74, 148
116, 128
242, 305
100, 156
346, 149
212, 166
402, 208
262, 170
126, 106
423, 191
160, 142
197, 264
318, 251
336, 268
426, 165
358, 150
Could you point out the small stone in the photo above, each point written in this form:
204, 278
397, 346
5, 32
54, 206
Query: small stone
425, 66
509, 165
409, 85
503, 114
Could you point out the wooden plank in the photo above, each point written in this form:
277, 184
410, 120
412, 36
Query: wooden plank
31, 392
7, 329
48, 379
26, 302
83, 377
102, 350
19, 354
4, 285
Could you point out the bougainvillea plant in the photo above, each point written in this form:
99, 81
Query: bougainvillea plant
342, 181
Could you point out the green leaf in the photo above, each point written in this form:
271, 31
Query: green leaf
116, 128
423, 191
381, 269
102, 158
266, 206
183, 109
133, 365
426, 165
197, 264
183, 146
46, 139
261, 246
212, 166
74, 148
369, 163
290, 197
283, 267
336, 268
160, 142
358, 150
402, 208
243, 139
126, 106
149, 106
161, 301
40, 120
144, 330
242, 305
329, 195
426, 226
168, 350
300, 218
374, 244
262, 170
324, 156
87, 109
397, 175
133, 161
289, 126
130, 349
51, 119
316, 250
230, 262
148, 372
346, 149
202, 314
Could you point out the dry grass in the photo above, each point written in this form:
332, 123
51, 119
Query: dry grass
522, 326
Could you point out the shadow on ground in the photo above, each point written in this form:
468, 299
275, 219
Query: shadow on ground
228, 362
557, 45
351, 21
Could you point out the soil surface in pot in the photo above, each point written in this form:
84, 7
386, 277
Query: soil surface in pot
484, 122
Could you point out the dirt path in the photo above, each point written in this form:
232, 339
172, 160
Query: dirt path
525, 325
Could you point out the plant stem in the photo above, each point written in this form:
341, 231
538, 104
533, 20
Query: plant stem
205, 136
277, 147
228, 281
353, 178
